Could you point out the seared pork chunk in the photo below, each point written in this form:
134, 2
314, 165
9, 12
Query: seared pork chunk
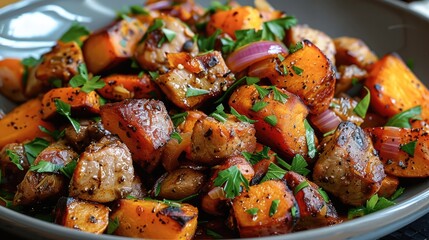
213, 141
89, 131
38, 187
207, 73
104, 172
151, 53
13, 172
348, 166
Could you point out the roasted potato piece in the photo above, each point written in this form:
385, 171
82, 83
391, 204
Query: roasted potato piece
120, 87
214, 141
325, 43
265, 221
207, 72
315, 211
143, 125
348, 166
389, 185
112, 45
394, 87
12, 79
285, 138
104, 172
229, 21
81, 103
351, 50
22, 123
308, 74
179, 184
214, 201
154, 219
60, 63
38, 187
389, 141
152, 52
82, 215
11, 174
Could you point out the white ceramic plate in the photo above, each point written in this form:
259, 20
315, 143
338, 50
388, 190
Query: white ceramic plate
31, 27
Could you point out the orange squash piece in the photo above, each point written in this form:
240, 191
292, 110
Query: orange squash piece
11, 79
394, 87
120, 87
22, 123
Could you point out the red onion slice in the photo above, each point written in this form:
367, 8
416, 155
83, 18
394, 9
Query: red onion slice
158, 5
326, 121
216, 193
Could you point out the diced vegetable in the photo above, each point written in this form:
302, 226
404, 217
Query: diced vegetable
12, 74
353, 51
120, 87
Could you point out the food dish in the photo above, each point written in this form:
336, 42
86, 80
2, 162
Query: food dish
413, 202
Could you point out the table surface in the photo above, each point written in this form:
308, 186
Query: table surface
418, 230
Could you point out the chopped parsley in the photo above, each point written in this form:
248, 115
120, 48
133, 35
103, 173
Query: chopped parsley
34, 148
213, 234
179, 118
193, 92
219, 114
64, 109
240, 117
295, 48
323, 194
48, 167
258, 106
177, 136
301, 186
278, 95
409, 147
262, 91
248, 80
232, 180
309, 136
274, 206
274, 172
402, 120
14, 158
75, 33
297, 70
82, 80
55, 134
113, 225
362, 107
252, 211
271, 119
258, 156
374, 204
299, 165
208, 43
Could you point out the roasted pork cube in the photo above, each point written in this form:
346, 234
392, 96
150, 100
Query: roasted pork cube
13, 171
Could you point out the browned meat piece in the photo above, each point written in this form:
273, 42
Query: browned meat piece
143, 125
353, 51
315, 211
207, 72
348, 166
179, 184
104, 172
10, 172
89, 131
37, 187
152, 56
300, 32
214, 141
60, 63
138, 189
82, 215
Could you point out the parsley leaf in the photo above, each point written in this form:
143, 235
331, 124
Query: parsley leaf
75, 33
274, 172
258, 156
30, 62
262, 91
179, 118
82, 80
409, 147
278, 95
248, 80
297, 70
55, 134
240, 117
232, 179
362, 107
275, 29
44, 166
208, 44
372, 205
258, 106
402, 120
298, 164
217, 6
113, 225
274, 206
68, 169
14, 158
177, 136
65, 110
323, 194
301, 186
397, 193
33, 148
295, 48
271, 119
219, 114
169, 35
309, 136
213, 234
137, 9
193, 92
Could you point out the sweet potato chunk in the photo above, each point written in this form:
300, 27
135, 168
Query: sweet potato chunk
120, 87
81, 103
229, 21
104, 172
213, 141
12, 79
143, 125
315, 211
348, 166
394, 88
308, 74
265, 222
113, 45
325, 43
37, 187
206, 72
60, 63
389, 185
153, 219
82, 215
353, 51
285, 138
22, 123
389, 141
